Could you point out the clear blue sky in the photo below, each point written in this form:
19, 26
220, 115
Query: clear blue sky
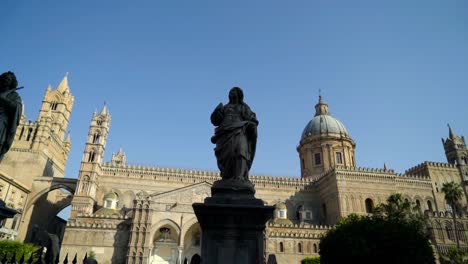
394, 72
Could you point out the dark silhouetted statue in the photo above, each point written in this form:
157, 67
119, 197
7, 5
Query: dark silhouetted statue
235, 137
10, 111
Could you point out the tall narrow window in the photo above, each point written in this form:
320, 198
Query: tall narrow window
418, 205
281, 247
96, 139
91, 156
318, 159
53, 106
30, 131
302, 163
299, 247
339, 158
15, 221
429, 206
369, 206
315, 248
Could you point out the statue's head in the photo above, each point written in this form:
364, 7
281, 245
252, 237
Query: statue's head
8, 81
236, 96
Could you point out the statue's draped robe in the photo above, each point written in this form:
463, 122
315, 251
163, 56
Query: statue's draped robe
10, 114
236, 139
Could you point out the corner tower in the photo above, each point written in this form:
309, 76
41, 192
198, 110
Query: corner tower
57, 106
457, 154
325, 143
90, 169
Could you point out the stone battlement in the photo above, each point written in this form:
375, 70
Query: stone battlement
184, 175
430, 164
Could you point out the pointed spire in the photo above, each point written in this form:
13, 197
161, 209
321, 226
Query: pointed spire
104, 110
49, 88
120, 151
385, 166
451, 134
63, 85
68, 139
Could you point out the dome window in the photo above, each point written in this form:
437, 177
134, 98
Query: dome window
111, 200
318, 159
339, 158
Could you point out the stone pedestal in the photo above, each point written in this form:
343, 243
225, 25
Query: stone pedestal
233, 224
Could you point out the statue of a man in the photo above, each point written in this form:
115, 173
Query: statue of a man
10, 111
235, 136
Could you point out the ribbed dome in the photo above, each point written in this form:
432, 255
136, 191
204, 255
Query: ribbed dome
323, 123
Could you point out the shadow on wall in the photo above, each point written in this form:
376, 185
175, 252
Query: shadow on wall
49, 168
44, 215
121, 238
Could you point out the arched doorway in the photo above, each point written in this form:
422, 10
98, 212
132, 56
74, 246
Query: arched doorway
192, 242
165, 250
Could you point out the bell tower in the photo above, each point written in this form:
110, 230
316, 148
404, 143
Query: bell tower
457, 154
90, 169
57, 105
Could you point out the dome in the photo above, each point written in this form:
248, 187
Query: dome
323, 123
280, 205
112, 196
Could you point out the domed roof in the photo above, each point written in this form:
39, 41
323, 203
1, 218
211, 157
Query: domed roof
280, 205
323, 123
112, 196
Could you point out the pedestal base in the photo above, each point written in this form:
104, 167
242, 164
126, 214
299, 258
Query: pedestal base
232, 229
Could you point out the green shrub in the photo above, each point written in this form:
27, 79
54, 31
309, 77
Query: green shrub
454, 256
311, 260
11, 247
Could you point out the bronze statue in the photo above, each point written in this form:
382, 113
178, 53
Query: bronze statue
235, 137
10, 111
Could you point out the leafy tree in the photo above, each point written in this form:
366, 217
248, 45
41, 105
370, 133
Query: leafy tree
453, 194
395, 233
92, 255
399, 210
454, 256
11, 247
311, 260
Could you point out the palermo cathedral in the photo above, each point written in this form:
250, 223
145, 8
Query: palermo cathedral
128, 213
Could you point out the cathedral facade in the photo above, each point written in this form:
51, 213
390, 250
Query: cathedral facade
128, 213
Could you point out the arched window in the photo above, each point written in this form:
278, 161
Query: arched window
29, 135
299, 247
315, 248
429, 206
418, 205
15, 221
111, 200
281, 247
369, 205
92, 156
53, 105
461, 232
449, 230
96, 138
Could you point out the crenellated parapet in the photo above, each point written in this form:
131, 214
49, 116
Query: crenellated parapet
178, 175
420, 168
